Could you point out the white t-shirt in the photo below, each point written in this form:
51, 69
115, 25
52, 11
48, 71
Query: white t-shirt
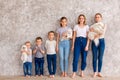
50, 46
29, 56
67, 30
81, 32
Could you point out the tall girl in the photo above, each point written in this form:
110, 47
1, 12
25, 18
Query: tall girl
80, 44
63, 45
98, 51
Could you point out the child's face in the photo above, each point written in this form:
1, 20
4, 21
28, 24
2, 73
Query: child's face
81, 19
28, 45
51, 36
63, 23
39, 42
98, 18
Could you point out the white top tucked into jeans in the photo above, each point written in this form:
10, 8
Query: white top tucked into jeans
81, 31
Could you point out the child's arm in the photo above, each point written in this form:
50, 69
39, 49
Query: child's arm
29, 52
88, 42
91, 29
22, 51
57, 41
34, 50
73, 40
42, 50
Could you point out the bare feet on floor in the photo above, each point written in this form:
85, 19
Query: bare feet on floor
99, 75
51, 76
62, 75
81, 74
73, 75
94, 75
65, 74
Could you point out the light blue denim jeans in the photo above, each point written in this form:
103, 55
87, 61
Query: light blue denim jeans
64, 51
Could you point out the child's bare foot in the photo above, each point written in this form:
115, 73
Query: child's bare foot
99, 75
41, 75
28, 76
73, 75
81, 74
53, 76
50, 76
62, 75
65, 74
36, 75
95, 74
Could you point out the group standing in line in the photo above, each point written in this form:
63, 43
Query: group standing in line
76, 40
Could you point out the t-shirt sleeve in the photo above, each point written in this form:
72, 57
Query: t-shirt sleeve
46, 44
87, 28
33, 48
43, 48
58, 31
75, 28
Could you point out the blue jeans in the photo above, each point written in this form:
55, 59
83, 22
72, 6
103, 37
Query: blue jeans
27, 68
98, 52
64, 51
79, 48
39, 66
51, 60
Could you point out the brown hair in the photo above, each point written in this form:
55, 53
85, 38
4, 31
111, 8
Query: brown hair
51, 32
98, 14
27, 42
62, 19
84, 18
38, 38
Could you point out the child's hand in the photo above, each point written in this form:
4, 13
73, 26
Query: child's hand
42, 51
57, 49
64, 34
86, 48
36, 48
72, 48
23, 51
91, 29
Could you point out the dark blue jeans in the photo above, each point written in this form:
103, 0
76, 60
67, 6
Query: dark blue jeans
98, 52
39, 66
51, 60
27, 68
79, 48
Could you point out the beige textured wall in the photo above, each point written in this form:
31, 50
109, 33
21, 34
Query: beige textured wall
22, 20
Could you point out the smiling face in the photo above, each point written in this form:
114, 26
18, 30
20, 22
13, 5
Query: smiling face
63, 22
81, 19
98, 17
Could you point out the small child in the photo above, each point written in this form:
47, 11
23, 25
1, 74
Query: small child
27, 58
39, 57
50, 46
